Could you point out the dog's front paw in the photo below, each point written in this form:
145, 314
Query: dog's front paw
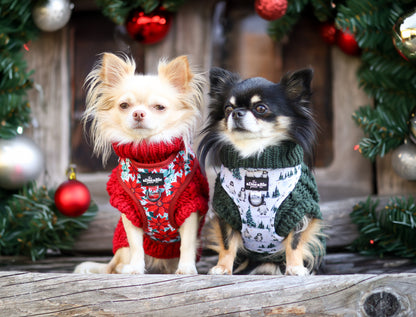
219, 270
132, 269
186, 269
298, 270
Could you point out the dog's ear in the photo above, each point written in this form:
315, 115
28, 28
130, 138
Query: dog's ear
221, 80
114, 69
177, 72
297, 85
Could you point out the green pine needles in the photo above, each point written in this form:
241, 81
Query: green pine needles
118, 10
387, 231
31, 225
16, 29
390, 81
384, 75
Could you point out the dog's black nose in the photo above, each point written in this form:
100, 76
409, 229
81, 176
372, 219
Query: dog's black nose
238, 113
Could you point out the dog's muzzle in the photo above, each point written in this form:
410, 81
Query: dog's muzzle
237, 117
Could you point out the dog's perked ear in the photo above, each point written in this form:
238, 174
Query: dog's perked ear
177, 72
221, 80
297, 85
114, 69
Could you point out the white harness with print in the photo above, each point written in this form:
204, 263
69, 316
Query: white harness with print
258, 193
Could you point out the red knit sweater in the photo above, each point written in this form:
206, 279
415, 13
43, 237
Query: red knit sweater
193, 198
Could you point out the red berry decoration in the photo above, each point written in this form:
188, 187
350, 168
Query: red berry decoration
347, 43
72, 198
328, 32
270, 9
148, 28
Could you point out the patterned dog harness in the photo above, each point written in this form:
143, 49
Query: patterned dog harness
258, 193
155, 188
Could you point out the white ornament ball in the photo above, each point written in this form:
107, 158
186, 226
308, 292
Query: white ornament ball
21, 161
52, 15
404, 161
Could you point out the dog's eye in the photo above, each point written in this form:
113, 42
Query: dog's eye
124, 105
261, 108
159, 107
228, 109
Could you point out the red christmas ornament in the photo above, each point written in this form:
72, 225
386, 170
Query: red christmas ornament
347, 43
148, 28
72, 198
328, 32
270, 9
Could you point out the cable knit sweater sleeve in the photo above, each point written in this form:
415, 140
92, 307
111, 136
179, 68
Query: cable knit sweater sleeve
121, 200
193, 198
303, 200
224, 206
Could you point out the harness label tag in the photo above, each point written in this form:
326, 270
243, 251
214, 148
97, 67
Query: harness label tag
152, 179
256, 183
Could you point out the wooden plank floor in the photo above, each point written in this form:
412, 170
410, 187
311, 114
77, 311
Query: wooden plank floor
346, 285
46, 288
333, 263
53, 294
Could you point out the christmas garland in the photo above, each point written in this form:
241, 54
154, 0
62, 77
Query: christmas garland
384, 74
30, 223
118, 10
16, 29
387, 231
390, 80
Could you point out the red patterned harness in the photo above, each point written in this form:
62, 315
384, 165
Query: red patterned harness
155, 188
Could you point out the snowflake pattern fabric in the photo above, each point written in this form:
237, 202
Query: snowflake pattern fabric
154, 189
258, 193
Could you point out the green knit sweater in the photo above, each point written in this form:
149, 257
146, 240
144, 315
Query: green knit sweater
303, 200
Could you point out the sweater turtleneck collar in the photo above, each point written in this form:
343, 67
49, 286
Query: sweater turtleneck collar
149, 153
284, 155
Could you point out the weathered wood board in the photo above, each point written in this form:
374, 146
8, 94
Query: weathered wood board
48, 294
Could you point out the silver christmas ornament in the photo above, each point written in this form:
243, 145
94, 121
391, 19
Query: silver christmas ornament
404, 35
52, 15
404, 161
21, 161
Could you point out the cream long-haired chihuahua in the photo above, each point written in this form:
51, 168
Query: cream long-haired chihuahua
158, 186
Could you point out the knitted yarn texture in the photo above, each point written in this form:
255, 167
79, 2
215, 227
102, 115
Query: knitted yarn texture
301, 200
180, 186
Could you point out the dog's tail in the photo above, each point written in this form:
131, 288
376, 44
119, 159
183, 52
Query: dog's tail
91, 268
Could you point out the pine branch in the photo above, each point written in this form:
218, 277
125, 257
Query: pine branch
118, 10
31, 225
384, 74
386, 127
323, 10
16, 29
387, 231
279, 28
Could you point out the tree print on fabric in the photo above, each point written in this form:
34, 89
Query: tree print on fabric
258, 193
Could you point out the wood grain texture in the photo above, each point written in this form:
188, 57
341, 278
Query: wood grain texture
349, 174
50, 102
37, 294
